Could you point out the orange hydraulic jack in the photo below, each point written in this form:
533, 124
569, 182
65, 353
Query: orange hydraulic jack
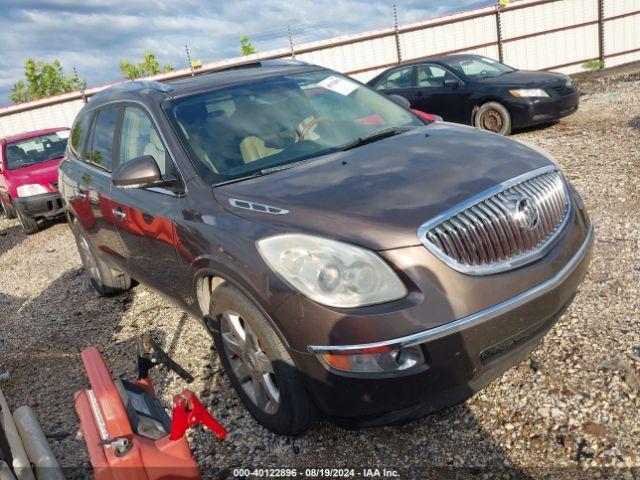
128, 433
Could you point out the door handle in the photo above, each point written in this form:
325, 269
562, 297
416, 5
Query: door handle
83, 195
119, 213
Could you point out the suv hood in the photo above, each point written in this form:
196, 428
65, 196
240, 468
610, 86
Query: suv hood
43, 173
525, 78
379, 194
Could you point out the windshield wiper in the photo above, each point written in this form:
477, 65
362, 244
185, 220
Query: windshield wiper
374, 137
285, 166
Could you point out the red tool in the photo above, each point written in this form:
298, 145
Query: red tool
126, 429
189, 412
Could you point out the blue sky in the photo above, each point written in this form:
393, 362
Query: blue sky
94, 35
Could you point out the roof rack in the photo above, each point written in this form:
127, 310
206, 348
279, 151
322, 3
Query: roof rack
278, 62
140, 84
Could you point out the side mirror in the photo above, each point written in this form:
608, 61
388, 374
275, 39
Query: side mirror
451, 83
400, 100
140, 172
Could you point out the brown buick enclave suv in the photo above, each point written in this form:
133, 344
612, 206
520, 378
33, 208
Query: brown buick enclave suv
348, 258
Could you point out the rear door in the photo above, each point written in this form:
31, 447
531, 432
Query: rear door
400, 81
87, 181
144, 216
433, 96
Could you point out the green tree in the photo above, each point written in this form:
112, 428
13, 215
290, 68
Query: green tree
148, 66
43, 79
246, 47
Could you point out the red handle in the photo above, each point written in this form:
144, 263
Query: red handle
189, 412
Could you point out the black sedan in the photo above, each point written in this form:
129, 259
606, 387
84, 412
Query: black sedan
482, 92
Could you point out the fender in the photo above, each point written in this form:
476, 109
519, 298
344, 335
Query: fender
207, 267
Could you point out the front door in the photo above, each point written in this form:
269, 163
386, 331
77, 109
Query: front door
144, 217
433, 95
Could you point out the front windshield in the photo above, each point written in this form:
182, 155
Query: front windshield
246, 129
36, 150
476, 68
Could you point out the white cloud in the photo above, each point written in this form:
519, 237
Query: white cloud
94, 35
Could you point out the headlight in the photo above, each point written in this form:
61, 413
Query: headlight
529, 92
375, 360
332, 273
29, 190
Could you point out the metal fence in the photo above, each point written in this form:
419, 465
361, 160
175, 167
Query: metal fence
557, 35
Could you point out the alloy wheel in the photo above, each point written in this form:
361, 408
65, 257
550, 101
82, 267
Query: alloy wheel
250, 364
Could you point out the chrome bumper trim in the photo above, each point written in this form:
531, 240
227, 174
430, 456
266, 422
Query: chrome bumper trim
470, 320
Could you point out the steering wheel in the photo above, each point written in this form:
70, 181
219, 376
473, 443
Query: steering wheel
307, 128
484, 73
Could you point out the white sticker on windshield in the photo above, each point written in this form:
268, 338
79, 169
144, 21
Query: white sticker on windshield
338, 85
63, 134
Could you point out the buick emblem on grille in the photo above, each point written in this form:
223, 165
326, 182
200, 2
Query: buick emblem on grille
525, 212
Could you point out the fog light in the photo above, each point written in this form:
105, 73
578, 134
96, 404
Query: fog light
375, 360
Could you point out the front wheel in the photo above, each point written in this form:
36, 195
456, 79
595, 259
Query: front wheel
106, 280
29, 224
258, 364
494, 117
9, 211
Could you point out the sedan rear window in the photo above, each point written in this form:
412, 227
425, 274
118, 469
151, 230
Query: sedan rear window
36, 150
235, 132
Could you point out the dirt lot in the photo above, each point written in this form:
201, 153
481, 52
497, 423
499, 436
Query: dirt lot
570, 411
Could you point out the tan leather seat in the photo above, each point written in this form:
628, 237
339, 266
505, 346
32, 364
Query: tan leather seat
254, 148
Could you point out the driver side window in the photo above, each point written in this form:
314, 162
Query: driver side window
139, 137
432, 76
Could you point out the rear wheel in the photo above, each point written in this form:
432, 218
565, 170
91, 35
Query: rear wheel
29, 224
9, 211
258, 364
494, 117
106, 280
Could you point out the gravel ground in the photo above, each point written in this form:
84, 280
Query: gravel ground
569, 411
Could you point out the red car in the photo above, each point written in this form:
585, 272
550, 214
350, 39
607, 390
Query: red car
29, 175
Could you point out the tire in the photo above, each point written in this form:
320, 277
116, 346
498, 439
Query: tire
106, 280
29, 224
291, 412
9, 211
494, 117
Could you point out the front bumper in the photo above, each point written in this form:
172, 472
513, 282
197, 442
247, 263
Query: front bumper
462, 356
526, 112
46, 205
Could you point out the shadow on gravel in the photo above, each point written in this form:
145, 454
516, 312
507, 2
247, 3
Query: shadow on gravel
10, 237
535, 128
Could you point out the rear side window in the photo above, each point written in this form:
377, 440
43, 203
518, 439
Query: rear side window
101, 151
79, 133
401, 78
139, 137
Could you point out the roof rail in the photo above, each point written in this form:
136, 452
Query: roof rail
140, 84
277, 62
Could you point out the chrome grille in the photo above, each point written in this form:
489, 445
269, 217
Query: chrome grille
503, 228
